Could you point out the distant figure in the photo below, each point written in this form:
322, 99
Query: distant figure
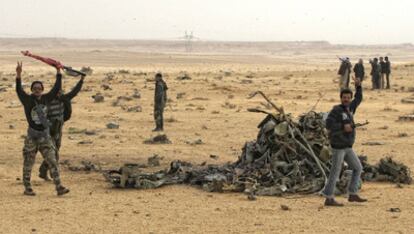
344, 72
383, 69
59, 111
341, 127
359, 70
387, 71
375, 73
160, 99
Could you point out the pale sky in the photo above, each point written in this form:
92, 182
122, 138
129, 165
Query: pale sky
345, 21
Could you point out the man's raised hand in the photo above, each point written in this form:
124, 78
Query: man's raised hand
19, 69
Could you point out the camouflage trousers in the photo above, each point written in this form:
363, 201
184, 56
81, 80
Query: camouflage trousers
43, 143
159, 118
56, 134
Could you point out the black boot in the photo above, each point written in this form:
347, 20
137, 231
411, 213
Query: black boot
29, 192
61, 190
356, 198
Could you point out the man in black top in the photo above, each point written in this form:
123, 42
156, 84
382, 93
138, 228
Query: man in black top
383, 72
341, 127
359, 70
387, 71
59, 110
160, 99
38, 135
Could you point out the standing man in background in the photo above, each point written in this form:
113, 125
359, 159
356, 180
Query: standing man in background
160, 100
344, 72
383, 69
359, 70
387, 71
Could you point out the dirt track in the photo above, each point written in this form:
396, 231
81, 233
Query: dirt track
93, 207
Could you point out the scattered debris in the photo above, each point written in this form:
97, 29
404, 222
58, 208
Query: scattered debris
154, 161
83, 166
386, 170
406, 118
85, 142
287, 156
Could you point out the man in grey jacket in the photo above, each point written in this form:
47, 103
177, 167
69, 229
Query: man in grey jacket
341, 127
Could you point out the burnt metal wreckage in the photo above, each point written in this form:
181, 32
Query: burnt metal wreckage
287, 157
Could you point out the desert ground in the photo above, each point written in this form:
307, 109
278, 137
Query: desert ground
212, 107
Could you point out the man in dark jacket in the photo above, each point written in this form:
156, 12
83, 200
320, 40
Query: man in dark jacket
341, 127
383, 72
375, 73
359, 70
59, 108
160, 99
38, 135
387, 71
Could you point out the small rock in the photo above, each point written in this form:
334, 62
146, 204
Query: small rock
395, 209
214, 156
112, 125
98, 98
180, 95
251, 197
159, 139
85, 142
134, 109
11, 126
106, 87
284, 207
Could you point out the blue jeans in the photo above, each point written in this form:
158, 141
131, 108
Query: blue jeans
338, 157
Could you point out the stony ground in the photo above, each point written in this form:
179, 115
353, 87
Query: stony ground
211, 107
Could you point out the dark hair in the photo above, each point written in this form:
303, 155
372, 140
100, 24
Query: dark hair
386, 57
36, 82
158, 74
346, 91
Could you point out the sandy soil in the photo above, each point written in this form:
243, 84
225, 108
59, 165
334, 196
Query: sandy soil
93, 206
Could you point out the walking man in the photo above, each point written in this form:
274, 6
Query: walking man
160, 99
59, 111
341, 127
38, 135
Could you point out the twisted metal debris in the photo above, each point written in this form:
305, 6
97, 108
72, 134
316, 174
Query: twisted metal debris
288, 156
